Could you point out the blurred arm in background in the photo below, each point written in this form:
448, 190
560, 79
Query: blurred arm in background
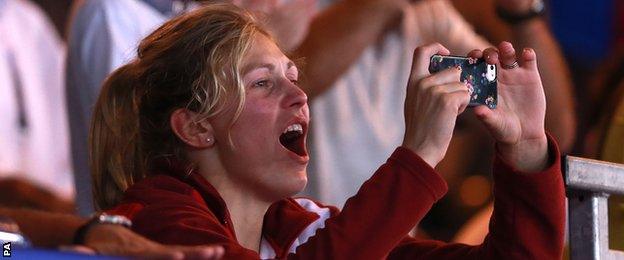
340, 34
51, 230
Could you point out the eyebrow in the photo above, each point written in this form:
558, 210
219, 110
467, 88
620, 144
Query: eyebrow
268, 66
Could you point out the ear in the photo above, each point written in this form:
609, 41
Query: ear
195, 134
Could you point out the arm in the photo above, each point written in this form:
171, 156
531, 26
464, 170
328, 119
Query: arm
383, 211
527, 222
43, 228
343, 30
91, 56
52, 230
529, 212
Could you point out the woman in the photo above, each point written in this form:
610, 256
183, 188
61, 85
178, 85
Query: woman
204, 135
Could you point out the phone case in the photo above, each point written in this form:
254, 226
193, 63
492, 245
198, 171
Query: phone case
479, 76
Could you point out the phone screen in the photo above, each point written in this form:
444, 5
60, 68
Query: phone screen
479, 76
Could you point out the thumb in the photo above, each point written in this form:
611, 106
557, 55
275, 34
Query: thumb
486, 115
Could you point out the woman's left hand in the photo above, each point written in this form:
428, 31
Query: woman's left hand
517, 123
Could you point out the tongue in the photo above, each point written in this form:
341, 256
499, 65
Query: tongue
290, 141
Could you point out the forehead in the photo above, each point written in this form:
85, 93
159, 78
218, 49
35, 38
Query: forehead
264, 50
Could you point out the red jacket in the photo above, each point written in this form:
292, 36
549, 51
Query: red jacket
528, 220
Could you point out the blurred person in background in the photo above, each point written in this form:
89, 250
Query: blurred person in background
58, 13
34, 145
104, 34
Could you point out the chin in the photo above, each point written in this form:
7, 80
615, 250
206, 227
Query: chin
300, 186
291, 187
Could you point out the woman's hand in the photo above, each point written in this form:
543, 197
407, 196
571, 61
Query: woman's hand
517, 123
432, 105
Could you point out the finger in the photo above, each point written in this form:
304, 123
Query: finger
491, 55
463, 105
475, 54
449, 88
78, 249
458, 99
507, 53
218, 253
528, 59
450, 75
421, 58
163, 254
202, 252
487, 116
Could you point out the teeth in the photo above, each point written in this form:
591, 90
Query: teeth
294, 127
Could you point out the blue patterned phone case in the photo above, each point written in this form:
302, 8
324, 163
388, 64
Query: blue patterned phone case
479, 76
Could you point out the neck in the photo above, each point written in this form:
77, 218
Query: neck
246, 209
247, 218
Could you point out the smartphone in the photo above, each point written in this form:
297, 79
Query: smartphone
476, 73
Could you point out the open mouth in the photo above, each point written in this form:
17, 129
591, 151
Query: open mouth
293, 139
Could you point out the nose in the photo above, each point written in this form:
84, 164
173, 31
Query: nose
295, 97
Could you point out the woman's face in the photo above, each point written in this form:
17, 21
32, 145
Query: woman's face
268, 155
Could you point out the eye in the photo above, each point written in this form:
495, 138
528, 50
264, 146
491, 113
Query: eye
294, 81
263, 83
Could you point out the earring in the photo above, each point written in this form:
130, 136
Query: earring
208, 140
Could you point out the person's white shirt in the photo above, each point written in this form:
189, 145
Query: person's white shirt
104, 35
358, 122
34, 139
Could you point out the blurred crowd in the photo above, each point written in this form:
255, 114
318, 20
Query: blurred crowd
355, 58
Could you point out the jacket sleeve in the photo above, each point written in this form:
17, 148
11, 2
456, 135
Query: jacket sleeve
383, 211
527, 222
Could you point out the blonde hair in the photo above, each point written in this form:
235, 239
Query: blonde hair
192, 61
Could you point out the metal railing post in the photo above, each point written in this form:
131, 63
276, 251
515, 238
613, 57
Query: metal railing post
589, 184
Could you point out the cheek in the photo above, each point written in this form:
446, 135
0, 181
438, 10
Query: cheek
256, 124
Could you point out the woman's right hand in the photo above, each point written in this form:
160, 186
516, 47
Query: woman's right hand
432, 105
